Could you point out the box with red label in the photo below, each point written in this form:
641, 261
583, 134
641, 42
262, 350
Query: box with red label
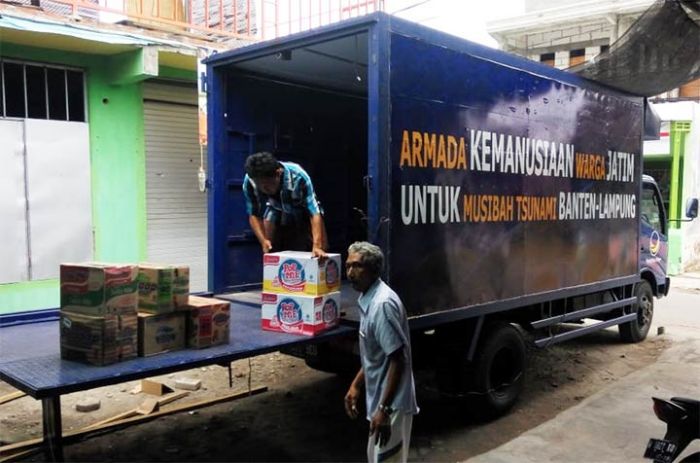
99, 289
207, 321
297, 272
98, 340
299, 314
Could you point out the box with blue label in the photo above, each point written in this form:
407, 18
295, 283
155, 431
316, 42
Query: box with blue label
300, 314
295, 272
161, 333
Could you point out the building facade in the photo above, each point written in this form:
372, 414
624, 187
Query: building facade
101, 121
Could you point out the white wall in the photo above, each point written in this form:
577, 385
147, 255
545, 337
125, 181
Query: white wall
45, 198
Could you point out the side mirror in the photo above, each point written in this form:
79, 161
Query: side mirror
691, 208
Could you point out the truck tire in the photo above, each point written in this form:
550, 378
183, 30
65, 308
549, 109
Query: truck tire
498, 370
636, 330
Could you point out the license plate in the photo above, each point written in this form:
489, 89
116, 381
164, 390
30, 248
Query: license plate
660, 450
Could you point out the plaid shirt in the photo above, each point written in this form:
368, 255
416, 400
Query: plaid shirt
296, 198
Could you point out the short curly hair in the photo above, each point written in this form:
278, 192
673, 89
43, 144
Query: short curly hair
261, 165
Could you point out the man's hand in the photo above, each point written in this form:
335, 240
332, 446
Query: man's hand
317, 251
351, 401
381, 425
266, 246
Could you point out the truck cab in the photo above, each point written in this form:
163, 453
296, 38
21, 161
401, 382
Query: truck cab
653, 238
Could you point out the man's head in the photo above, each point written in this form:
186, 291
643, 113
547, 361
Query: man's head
364, 265
265, 171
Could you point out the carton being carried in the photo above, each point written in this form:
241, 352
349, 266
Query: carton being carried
300, 314
98, 289
163, 288
298, 273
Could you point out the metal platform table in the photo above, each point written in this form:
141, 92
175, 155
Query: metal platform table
31, 362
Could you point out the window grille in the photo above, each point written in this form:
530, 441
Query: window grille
38, 91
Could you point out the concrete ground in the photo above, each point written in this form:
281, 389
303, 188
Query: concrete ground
615, 424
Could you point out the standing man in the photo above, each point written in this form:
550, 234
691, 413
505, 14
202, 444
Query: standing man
386, 373
282, 207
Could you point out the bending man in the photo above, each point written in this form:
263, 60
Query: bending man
282, 207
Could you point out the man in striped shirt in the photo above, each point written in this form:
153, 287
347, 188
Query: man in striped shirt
282, 207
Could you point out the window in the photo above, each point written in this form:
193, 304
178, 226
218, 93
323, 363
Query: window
577, 56
651, 211
547, 58
35, 91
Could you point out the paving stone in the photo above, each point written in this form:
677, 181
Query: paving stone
189, 384
88, 404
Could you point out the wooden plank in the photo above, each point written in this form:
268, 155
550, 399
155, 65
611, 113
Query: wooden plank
19, 455
12, 396
145, 408
75, 435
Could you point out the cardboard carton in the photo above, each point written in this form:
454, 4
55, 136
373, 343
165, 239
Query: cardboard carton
207, 321
294, 272
98, 340
181, 286
163, 288
98, 289
161, 333
299, 314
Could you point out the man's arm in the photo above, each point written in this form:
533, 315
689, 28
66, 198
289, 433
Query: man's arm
381, 421
256, 223
353, 394
318, 237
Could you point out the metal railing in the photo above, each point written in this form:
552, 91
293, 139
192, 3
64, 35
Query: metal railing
213, 19
283, 17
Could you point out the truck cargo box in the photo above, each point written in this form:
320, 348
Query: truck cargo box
490, 181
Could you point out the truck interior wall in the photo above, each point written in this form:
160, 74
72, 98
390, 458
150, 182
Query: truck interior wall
323, 131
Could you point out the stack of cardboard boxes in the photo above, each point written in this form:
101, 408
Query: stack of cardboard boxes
171, 319
163, 293
111, 313
300, 295
98, 312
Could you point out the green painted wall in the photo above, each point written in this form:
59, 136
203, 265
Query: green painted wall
674, 160
118, 168
117, 153
166, 72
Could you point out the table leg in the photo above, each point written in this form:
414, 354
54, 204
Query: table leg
53, 431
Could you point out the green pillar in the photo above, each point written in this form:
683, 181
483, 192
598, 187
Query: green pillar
679, 132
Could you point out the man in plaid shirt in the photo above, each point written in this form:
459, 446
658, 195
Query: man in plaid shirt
283, 210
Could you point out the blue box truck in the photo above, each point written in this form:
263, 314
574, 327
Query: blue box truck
507, 195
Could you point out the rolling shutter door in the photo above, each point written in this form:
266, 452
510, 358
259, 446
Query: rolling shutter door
175, 208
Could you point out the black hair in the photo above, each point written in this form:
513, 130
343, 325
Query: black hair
261, 165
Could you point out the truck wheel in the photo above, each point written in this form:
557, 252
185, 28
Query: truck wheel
637, 330
498, 370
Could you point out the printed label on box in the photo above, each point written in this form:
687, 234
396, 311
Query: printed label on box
295, 272
300, 314
291, 275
